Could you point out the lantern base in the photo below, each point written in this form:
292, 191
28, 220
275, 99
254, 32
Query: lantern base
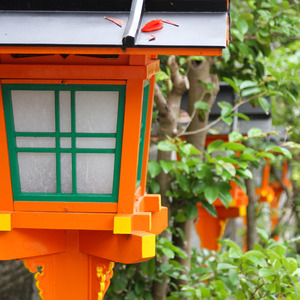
71, 274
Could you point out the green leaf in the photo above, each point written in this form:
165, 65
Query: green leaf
292, 265
266, 154
233, 253
232, 83
234, 146
166, 166
227, 120
237, 34
265, 104
240, 295
241, 116
284, 151
235, 136
245, 173
168, 252
255, 132
291, 97
154, 168
247, 84
205, 292
191, 211
254, 253
166, 145
242, 26
148, 267
214, 146
263, 234
228, 167
211, 194
225, 198
226, 108
189, 149
197, 58
250, 91
202, 105
265, 272
210, 208
183, 182
155, 188
225, 266
226, 54
233, 245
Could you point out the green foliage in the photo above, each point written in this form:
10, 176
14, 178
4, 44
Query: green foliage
270, 272
263, 273
196, 180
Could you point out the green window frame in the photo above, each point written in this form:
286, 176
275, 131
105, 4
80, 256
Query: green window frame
143, 130
12, 135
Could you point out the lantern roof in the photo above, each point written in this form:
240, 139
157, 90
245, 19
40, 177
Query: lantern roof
115, 23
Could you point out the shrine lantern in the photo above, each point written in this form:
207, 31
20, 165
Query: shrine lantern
237, 208
77, 83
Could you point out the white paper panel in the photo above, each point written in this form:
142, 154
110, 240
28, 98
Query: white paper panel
96, 143
66, 172
96, 111
65, 111
65, 142
37, 172
34, 111
95, 173
35, 142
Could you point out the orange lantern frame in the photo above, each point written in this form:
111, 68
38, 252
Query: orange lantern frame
77, 243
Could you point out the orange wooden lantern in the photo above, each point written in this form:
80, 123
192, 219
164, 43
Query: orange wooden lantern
237, 208
75, 119
209, 228
266, 192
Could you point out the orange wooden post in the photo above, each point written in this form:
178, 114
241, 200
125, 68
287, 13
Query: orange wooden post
209, 228
265, 192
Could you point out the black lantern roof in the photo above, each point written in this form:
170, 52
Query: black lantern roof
200, 23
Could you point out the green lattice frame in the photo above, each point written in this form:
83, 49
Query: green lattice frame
143, 129
13, 150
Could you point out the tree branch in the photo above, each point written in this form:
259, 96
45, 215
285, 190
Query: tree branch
219, 118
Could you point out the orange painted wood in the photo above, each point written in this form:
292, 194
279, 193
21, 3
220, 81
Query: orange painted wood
137, 60
91, 72
123, 248
22, 243
64, 82
147, 136
65, 221
6, 201
103, 50
76, 221
78, 59
65, 206
151, 203
142, 221
130, 146
159, 221
71, 274
209, 229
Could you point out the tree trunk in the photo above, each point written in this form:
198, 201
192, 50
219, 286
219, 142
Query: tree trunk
251, 214
198, 72
168, 117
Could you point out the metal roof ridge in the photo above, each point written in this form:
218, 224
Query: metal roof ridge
133, 23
